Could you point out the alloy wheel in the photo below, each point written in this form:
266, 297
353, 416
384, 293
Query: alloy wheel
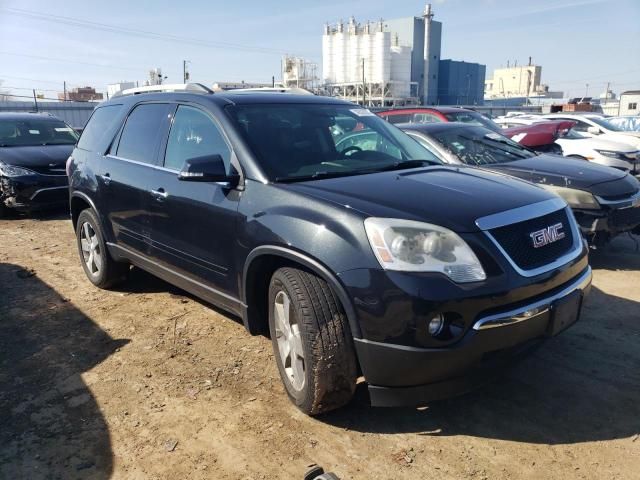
289, 341
91, 251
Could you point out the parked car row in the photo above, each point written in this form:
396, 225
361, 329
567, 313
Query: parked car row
361, 250
540, 137
592, 138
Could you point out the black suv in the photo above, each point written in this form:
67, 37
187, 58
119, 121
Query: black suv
332, 231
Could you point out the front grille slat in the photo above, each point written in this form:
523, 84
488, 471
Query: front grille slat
516, 241
625, 218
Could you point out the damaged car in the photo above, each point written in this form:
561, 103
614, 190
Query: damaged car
34, 148
605, 201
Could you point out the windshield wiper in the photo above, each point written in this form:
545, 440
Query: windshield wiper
318, 175
406, 164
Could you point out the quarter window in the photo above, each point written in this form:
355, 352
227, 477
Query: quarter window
141, 135
193, 134
101, 125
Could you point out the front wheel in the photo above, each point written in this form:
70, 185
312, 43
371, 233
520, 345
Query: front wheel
100, 268
311, 341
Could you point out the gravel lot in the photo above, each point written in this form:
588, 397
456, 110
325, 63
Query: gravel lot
148, 382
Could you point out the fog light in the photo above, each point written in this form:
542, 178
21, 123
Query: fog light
436, 325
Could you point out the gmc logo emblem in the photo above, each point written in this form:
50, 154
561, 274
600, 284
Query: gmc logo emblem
547, 235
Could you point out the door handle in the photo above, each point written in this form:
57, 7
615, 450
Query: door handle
160, 194
106, 178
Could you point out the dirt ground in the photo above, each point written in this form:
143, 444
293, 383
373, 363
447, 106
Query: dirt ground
147, 382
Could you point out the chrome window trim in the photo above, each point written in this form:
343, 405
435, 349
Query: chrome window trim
136, 162
529, 212
518, 315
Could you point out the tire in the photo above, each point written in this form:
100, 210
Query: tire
100, 268
320, 371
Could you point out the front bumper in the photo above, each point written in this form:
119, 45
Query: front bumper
615, 217
400, 375
34, 192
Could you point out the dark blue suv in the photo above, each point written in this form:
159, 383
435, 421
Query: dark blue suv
323, 226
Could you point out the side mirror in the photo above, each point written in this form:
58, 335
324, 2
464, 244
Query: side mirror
208, 168
593, 130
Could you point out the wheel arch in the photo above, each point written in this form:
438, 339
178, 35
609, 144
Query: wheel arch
265, 260
78, 202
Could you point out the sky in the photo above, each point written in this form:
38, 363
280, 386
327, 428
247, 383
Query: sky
44, 43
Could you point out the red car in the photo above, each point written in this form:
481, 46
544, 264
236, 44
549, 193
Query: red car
540, 136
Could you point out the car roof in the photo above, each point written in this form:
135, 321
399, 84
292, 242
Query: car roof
418, 109
436, 126
27, 116
230, 98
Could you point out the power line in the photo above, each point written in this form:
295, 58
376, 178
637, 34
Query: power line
64, 60
81, 23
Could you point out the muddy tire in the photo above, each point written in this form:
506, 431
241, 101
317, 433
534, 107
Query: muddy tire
312, 341
100, 268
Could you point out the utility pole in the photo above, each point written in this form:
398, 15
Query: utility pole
586, 93
185, 74
35, 99
65, 90
363, 84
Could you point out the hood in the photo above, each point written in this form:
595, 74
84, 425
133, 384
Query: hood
565, 172
445, 196
598, 143
559, 171
38, 158
623, 137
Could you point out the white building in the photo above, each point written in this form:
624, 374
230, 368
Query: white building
630, 103
382, 63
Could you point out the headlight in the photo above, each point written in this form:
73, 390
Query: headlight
575, 198
409, 246
13, 171
611, 153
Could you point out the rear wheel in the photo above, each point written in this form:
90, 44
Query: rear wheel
100, 268
311, 341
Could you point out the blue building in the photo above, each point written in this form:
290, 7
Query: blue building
461, 83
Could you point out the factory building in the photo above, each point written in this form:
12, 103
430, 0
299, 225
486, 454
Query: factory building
460, 83
392, 62
514, 81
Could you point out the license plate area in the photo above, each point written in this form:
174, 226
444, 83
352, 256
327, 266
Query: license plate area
564, 313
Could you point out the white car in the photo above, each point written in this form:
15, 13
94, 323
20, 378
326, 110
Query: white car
594, 125
597, 149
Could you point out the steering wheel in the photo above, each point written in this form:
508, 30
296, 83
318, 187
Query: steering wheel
351, 149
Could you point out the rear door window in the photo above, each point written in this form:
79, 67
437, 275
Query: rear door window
100, 129
145, 127
194, 134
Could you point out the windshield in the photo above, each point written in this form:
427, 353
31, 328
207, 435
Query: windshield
305, 141
480, 146
473, 118
37, 131
603, 122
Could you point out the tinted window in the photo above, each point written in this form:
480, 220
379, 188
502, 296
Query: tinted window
141, 134
425, 118
398, 118
35, 131
299, 141
473, 118
193, 134
101, 125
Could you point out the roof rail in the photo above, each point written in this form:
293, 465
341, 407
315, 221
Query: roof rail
169, 87
290, 90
